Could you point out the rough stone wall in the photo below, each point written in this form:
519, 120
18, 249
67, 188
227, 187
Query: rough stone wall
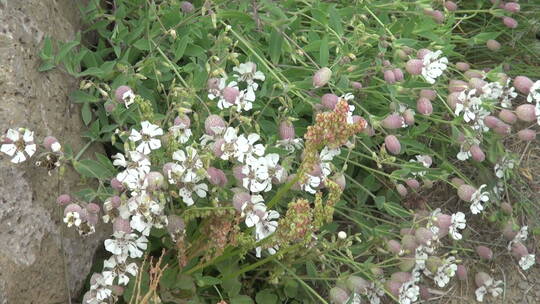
32, 266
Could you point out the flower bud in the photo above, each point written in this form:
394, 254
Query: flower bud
401, 190
465, 192
52, 144
523, 84
389, 77
401, 277
392, 144
216, 177
453, 100
408, 117
422, 53
433, 263
393, 246
461, 272
493, 45
212, 123
457, 85
187, 7
398, 74
525, 112
484, 252
357, 284
213, 84
451, 6
175, 224
239, 199
519, 250
414, 184
424, 106
155, 180
481, 278
457, 181
408, 242
512, 7
506, 208
477, 153
230, 94
429, 94
338, 296
414, 66
63, 199
329, 101
110, 106
182, 121
477, 83
393, 288
121, 224
509, 232
121, 92
423, 235
339, 179
437, 16
507, 116
356, 85
321, 77
393, 121
462, 66
503, 129
117, 185
510, 22
527, 135
72, 208
92, 208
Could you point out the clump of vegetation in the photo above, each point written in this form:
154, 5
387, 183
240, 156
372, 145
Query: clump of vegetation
299, 151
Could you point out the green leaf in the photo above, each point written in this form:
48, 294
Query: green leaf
241, 299
92, 168
266, 296
324, 52
181, 48
79, 96
274, 47
86, 113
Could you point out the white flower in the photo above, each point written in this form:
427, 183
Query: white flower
257, 176
254, 210
408, 293
490, 287
246, 149
19, 147
492, 90
506, 164
534, 93
189, 166
477, 199
527, 261
146, 136
311, 183
129, 98
291, 145
458, 222
126, 244
181, 133
247, 72
445, 272
433, 67
120, 270
72, 218
186, 192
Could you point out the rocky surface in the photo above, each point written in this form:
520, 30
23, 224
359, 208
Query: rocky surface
33, 266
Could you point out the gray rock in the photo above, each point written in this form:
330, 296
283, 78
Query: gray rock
33, 266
